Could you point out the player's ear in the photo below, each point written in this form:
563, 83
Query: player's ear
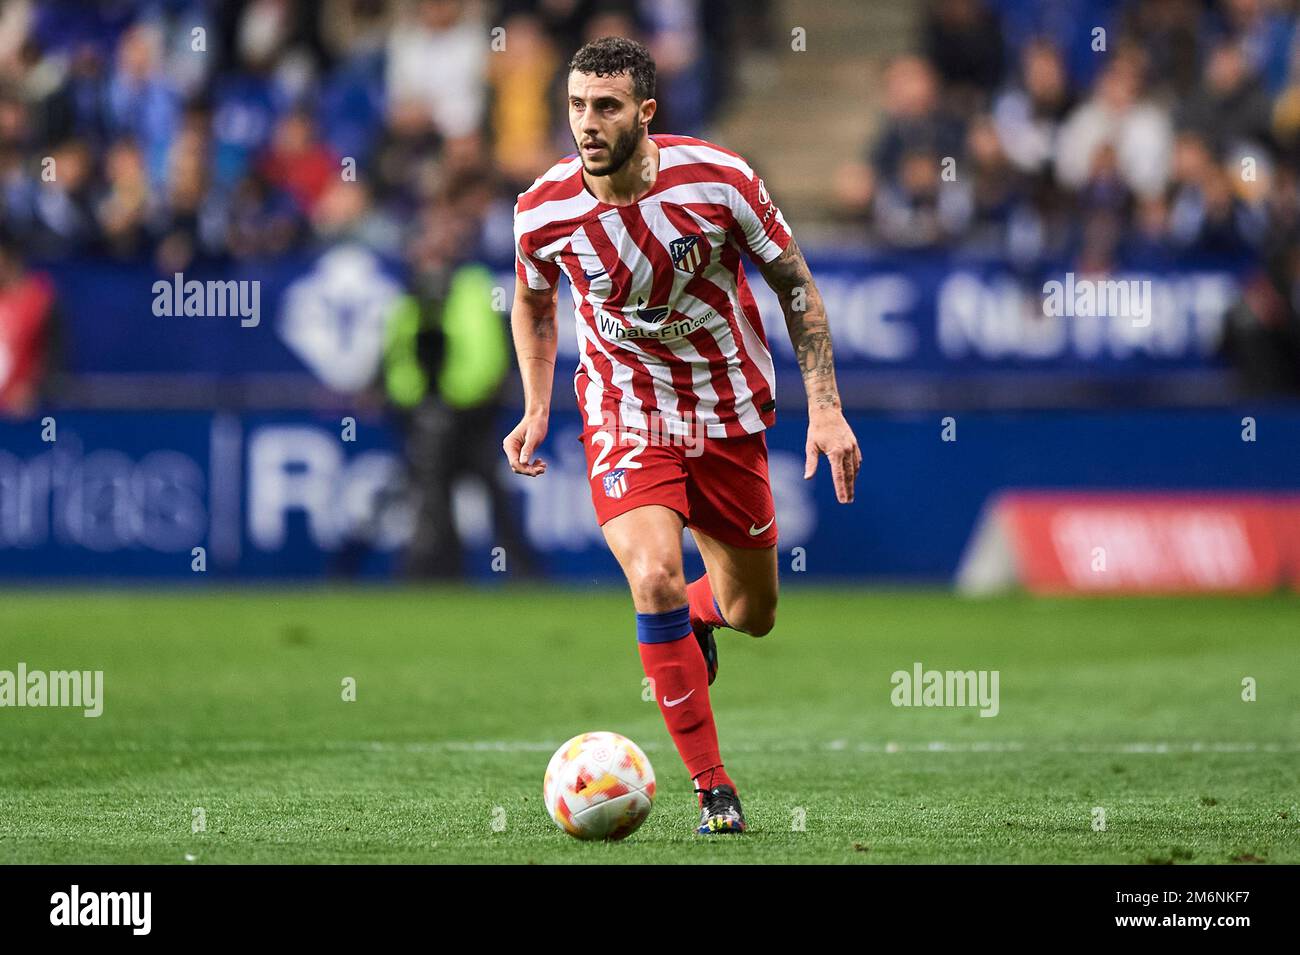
648, 107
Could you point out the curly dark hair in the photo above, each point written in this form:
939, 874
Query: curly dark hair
611, 55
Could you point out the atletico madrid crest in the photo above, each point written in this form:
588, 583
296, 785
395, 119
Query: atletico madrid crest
615, 483
688, 252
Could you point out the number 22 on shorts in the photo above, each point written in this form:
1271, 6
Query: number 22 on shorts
606, 442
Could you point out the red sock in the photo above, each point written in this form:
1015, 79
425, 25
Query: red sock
704, 609
680, 678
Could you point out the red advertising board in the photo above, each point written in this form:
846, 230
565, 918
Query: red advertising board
1148, 542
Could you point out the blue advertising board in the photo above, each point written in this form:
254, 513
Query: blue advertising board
286, 496
323, 314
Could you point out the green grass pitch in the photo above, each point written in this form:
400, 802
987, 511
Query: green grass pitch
231, 702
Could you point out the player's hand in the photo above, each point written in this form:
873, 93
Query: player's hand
830, 434
521, 444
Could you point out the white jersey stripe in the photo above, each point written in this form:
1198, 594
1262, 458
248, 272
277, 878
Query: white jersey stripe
671, 156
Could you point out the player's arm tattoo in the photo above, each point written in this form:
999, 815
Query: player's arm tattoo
805, 319
539, 327
532, 324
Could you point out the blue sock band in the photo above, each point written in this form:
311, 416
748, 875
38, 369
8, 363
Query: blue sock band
663, 627
718, 610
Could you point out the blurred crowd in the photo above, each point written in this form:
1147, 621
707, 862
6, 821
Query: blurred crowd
176, 129
1107, 131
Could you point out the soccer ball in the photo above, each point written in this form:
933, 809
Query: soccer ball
599, 786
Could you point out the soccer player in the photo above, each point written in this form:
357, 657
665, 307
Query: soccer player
675, 382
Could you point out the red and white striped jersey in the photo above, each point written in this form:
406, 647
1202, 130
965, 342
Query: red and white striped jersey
667, 325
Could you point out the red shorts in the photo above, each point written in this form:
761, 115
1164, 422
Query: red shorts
719, 486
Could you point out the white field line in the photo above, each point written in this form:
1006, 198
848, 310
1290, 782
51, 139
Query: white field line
1152, 747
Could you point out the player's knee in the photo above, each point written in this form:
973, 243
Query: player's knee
761, 625
754, 617
658, 584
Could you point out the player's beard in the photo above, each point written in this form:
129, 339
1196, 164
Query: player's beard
619, 152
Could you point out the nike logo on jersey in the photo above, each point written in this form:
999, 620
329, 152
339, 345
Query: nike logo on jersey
755, 531
593, 275
668, 702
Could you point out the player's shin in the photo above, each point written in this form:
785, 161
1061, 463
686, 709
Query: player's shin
680, 681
